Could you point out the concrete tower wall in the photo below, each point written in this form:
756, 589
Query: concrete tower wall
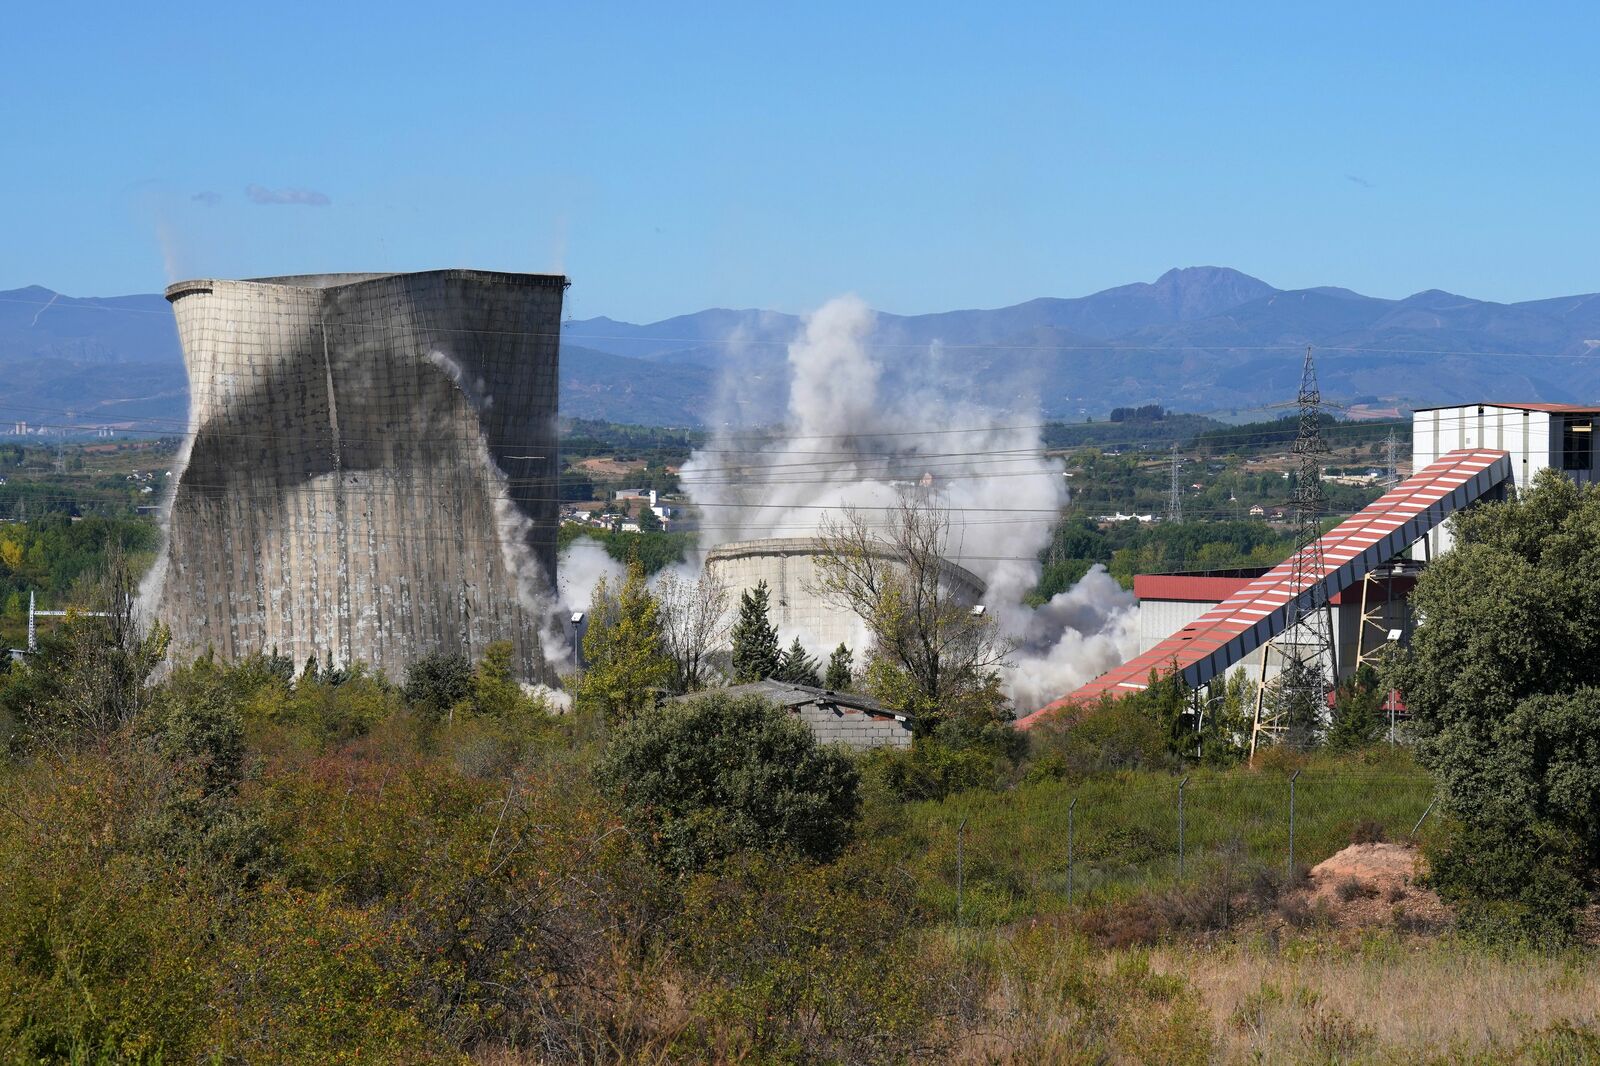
371, 468
798, 608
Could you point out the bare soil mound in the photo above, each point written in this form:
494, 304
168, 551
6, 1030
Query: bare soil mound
1370, 885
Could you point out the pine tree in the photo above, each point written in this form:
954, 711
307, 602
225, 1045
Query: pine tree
755, 639
1300, 702
1357, 711
838, 677
1232, 720
623, 649
798, 668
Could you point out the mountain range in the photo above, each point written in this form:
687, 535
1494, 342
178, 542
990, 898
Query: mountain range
1195, 339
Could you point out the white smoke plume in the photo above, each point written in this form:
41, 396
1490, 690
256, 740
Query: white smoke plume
582, 565
852, 441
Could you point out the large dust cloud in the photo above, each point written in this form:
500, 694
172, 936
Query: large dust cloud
853, 441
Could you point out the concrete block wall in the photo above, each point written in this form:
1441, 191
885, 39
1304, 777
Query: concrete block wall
371, 468
854, 728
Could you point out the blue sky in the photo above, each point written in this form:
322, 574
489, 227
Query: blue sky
927, 156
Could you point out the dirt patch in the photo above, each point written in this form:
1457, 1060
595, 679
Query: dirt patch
1372, 885
610, 467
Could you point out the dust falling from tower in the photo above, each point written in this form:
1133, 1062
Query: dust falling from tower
370, 473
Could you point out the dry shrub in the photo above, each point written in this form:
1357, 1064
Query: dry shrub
1333, 1035
524, 897
789, 960
1205, 906
1353, 888
1138, 922
1052, 997
1263, 889
106, 954
1279, 760
1296, 911
1369, 832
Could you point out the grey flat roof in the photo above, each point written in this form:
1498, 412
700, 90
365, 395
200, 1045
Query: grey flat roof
1548, 408
786, 694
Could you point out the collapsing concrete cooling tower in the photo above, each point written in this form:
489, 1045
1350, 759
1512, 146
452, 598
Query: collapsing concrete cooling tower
371, 467
798, 605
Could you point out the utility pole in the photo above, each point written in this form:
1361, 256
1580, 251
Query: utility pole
1306, 643
1175, 490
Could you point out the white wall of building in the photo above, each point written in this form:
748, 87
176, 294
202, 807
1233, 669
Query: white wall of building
1533, 438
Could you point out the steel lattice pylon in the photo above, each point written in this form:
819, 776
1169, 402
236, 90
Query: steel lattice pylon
1305, 648
1175, 488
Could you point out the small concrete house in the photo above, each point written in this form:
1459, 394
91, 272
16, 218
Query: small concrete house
833, 717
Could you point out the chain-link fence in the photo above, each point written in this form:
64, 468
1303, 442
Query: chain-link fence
1039, 849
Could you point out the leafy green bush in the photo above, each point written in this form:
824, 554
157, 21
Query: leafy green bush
327, 710
1357, 711
193, 729
314, 979
931, 770
435, 683
1113, 734
705, 778
1509, 883
1503, 680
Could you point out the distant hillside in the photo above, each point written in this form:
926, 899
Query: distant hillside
90, 362
614, 388
1195, 339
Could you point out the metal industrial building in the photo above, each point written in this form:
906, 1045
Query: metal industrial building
1366, 615
370, 473
798, 606
1205, 625
1534, 436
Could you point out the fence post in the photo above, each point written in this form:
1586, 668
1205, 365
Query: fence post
961, 832
1425, 812
1182, 783
1292, 779
1070, 808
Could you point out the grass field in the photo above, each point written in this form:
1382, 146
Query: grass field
1317, 997
1011, 859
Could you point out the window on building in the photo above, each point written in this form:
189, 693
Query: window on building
1577, 443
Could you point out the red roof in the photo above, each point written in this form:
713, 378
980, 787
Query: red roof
1260, 610
1186, 588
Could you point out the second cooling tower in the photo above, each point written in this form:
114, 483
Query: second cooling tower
371, 468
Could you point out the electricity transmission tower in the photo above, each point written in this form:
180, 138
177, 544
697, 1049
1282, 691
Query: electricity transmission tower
1295, 699
1175, 491
1391, 471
